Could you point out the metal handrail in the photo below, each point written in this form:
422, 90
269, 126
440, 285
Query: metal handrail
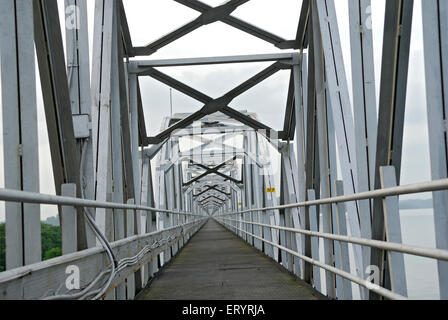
40, 198
431, 186
432, 253
362, 282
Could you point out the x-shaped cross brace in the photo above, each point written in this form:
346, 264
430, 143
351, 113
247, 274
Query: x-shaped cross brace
215, 105
210, 15
214, 170
211, 202
209, 188
211, 197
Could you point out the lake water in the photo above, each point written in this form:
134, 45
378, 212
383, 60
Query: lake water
417, 226
421, 273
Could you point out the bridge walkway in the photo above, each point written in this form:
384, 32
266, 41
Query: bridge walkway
216, 264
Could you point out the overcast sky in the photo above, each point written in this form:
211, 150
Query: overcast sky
151, 19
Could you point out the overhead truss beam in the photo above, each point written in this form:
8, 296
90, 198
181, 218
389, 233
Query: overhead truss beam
210, 15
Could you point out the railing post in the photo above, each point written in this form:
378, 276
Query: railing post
393, 232
314, 226
248, 191
256, 190
341, 252
130, 281
294, 218
68, 221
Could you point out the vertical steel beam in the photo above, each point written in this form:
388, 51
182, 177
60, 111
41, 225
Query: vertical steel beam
177, 186
299, 107
117, 154
435, 30
135, 154
20, 131
323, 143
50, 55
364, 94
284, 241
365, 112
248, 189
270, 200
77, 56
134, 134
293, 218
394, 76
312, 176
124, 90
151, 216
257, 190
338, 99
105, 23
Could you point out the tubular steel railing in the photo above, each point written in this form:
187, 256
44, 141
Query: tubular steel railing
438, 254
102, 269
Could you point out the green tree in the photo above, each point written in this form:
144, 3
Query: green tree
52, 253
51, 243
51, 239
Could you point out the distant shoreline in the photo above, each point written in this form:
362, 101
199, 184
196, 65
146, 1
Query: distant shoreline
416, 204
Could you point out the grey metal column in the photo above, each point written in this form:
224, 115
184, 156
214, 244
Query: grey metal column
50, 55
312, 154
77, 56
435, 31
135, 153
105, 23
257, 190
322, 136
338, 99
248, 190
117, 155
299, 107
20, 132
394, 77
365, 112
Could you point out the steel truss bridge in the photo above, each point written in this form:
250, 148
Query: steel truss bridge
129, 203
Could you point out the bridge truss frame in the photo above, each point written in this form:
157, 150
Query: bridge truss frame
100, 148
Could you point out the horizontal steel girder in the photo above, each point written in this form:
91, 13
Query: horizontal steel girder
141, 66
